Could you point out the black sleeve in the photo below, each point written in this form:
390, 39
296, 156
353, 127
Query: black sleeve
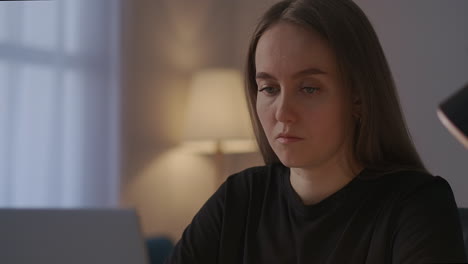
200, 240
428, 227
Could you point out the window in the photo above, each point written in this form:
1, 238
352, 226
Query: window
59, 95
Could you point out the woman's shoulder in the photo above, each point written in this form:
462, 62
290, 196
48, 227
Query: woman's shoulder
425, 213
407, 185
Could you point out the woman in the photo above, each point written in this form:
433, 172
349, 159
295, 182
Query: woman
342, 182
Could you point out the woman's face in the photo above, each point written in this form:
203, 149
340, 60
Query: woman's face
302, 104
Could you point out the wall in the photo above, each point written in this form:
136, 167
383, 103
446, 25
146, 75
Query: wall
165, 41
426, 44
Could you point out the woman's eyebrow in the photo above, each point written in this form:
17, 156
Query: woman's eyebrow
308, 71
263, 75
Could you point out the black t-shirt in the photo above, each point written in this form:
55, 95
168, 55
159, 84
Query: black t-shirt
257, 217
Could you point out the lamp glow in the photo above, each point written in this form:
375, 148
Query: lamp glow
217, 118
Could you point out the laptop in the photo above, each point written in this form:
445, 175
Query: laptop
71, 236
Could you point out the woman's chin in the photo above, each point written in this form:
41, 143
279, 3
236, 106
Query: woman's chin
292, 163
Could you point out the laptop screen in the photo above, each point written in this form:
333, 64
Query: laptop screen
72, 236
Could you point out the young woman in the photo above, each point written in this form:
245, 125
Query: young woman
342, 182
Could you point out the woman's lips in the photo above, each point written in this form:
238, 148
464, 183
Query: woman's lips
288, 139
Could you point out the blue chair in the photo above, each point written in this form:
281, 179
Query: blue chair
159, 249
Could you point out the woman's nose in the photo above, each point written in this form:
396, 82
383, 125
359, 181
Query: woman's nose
285, 112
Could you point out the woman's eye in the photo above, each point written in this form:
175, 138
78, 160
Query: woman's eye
269, 90
310, 90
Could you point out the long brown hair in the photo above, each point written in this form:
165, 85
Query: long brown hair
382, 141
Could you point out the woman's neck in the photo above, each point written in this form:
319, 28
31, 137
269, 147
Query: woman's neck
315, 184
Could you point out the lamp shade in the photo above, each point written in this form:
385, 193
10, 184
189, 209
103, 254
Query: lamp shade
216, 108
453, 113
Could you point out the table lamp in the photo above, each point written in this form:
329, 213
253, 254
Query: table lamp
217, 119
453, 113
